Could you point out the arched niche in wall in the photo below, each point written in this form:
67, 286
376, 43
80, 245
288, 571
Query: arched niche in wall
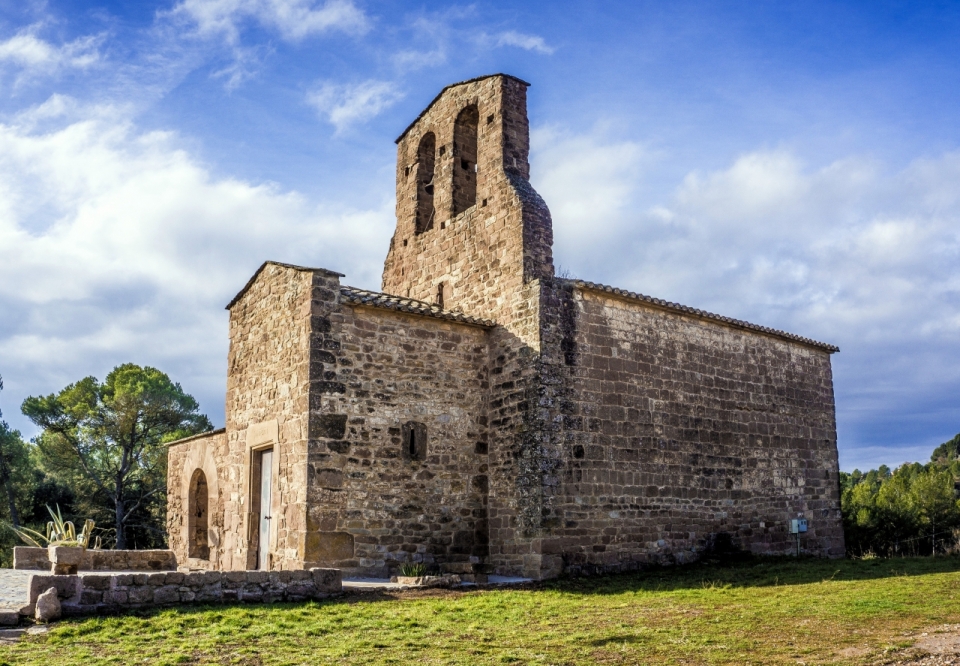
198, 463
198, 516
465, 159
426, 161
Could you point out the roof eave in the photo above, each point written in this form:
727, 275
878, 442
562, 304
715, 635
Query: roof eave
256, 274
702, 314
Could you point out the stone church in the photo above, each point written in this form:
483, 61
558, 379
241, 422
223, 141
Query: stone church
482, 415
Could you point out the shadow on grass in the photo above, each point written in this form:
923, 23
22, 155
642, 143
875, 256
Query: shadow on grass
616, 640
750, 571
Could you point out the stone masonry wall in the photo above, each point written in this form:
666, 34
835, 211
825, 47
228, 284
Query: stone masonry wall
208, 452
89, 594
676, 430
100, 560
270, 378
585, 431
491, 258
487, 253
372, 506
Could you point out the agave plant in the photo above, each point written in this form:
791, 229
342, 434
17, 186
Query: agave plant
60, 532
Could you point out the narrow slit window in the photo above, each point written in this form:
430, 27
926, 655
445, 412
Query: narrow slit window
414, 440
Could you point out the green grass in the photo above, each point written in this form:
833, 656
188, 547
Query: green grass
767, 611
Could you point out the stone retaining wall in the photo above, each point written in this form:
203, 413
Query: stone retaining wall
92, 593
101, 560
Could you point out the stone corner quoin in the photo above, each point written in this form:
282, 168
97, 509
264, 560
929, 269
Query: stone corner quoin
481, 415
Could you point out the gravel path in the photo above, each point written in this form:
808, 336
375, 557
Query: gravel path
13, 588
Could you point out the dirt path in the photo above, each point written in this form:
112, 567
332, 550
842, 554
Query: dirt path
938, 646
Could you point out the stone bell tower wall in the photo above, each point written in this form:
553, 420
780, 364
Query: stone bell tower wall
478, 256
488, 259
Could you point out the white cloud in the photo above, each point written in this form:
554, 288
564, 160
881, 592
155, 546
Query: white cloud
117, 245
34, 55
586, 179
293, 19
524, 41
344, 105
849, 252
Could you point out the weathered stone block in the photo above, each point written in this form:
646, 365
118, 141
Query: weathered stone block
140, 594
328, 426
328, 546
168, 594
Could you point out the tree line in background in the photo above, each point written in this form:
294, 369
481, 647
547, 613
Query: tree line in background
912, 510
101, 454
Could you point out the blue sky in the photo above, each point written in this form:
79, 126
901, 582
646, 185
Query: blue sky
793, 164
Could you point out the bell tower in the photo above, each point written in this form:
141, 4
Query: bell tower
472, 234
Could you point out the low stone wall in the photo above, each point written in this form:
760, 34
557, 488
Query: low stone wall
101, 560
93, 593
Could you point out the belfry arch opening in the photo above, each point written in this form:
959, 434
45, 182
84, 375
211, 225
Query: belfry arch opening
465, 159
198, 514
426, 161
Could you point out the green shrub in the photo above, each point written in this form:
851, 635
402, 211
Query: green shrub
413, 569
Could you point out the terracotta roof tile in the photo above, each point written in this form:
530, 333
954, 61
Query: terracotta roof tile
378, 299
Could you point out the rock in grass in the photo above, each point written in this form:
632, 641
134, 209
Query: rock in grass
48, 606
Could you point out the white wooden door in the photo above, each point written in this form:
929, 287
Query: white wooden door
266, 467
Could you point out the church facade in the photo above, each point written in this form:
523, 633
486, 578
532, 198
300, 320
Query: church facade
482, 415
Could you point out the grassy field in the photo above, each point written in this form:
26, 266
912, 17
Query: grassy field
770, 611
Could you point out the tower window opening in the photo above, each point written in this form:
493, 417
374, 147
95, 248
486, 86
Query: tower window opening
440, 288
426, 159
465, 148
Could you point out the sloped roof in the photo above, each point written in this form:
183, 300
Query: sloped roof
377, 299
445, 89
253, 278
729, 321
209, 433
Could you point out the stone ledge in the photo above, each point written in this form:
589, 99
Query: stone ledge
94, 593
100, 560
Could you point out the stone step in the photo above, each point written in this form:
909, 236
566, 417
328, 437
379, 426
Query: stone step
9, 618
10, 635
